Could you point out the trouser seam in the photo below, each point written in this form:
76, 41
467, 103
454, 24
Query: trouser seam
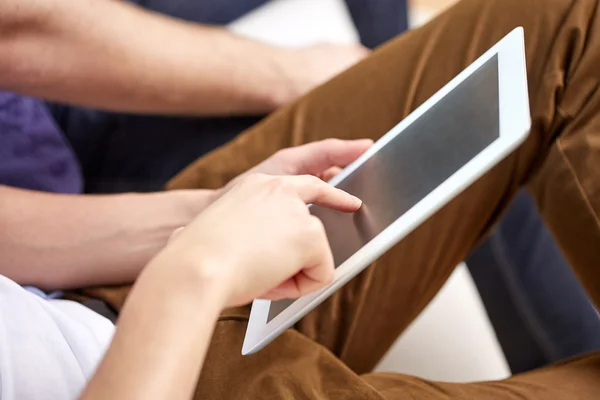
578, 183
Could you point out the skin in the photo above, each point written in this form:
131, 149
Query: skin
227, 255
59, 242
257, 240
91, 53
57, 49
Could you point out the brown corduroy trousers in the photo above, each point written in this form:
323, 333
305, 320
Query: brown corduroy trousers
330, 353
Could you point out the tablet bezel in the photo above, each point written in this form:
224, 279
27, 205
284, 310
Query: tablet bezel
515, 122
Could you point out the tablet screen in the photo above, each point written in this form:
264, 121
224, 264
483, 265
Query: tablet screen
413, 164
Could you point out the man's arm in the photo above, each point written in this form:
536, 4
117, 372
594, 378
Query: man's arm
61, 241
113, 55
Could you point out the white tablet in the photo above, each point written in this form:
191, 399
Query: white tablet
436, 152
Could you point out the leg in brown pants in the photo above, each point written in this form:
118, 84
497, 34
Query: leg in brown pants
331, 351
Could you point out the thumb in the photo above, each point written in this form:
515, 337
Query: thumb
312, 190
315, 158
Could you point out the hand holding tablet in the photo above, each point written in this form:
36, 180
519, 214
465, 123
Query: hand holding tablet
430, 157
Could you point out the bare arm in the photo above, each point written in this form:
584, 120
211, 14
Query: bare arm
162, 337
113, 55
258, 240
61, 241
219, 260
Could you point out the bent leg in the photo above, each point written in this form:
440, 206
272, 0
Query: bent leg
559, 160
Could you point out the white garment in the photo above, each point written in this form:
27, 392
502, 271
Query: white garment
49, 349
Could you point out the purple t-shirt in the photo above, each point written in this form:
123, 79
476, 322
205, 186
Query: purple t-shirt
33, 151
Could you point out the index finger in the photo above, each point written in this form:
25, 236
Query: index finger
313, 190
316, 157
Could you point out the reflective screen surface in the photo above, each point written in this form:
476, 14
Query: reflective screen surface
413, 164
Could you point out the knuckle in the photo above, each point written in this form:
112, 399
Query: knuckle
319, 188
310, 180
285, 159
315, 226
278, 182
333, 142
254, 178
282, 154
280, 185
253, 182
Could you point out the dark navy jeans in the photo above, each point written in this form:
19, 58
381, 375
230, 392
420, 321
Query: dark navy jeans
538, 309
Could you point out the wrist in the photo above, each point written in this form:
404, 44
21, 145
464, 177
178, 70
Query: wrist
286, 89
189, 274
191, 202
152, 218
266, 81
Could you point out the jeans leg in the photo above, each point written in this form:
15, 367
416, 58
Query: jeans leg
219, 12
104, 142
378, 21
143, 153
539, 310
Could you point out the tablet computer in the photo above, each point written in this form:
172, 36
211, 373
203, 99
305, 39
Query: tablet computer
415, 169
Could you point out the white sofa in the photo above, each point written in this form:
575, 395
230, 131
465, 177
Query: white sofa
452, 340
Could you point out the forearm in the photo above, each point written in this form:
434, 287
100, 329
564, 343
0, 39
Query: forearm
60, 242
161, 339
116, 56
